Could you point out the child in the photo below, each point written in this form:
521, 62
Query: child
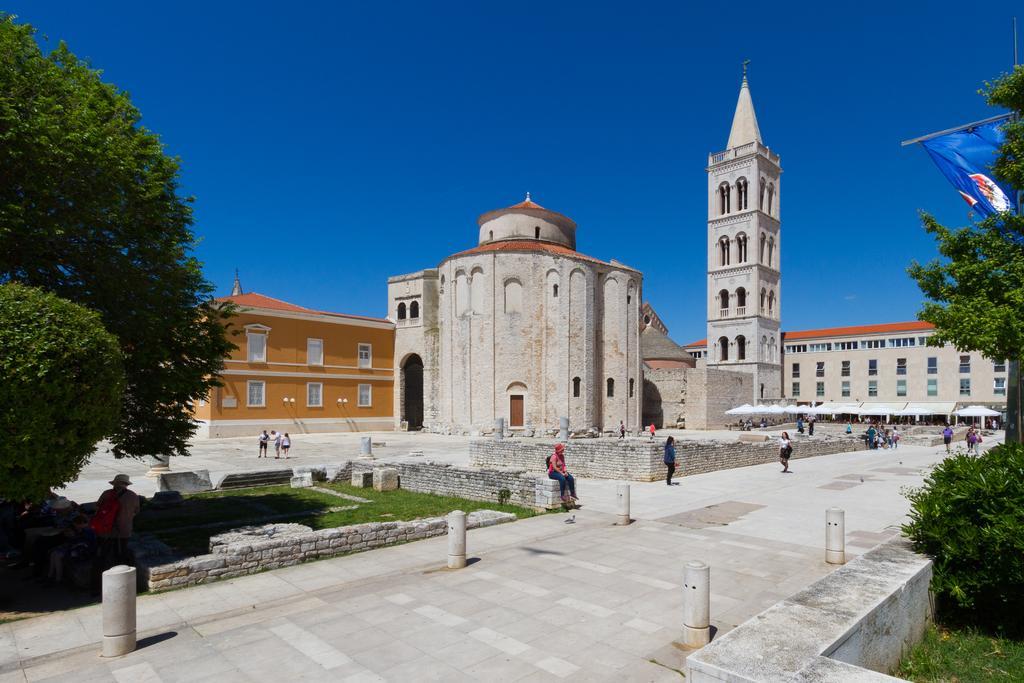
81, 544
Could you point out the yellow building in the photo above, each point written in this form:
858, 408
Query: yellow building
298, 370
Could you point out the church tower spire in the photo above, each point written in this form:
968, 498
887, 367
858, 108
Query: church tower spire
744, 264
236, 288
744, 121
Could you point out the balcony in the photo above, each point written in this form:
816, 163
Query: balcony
742, 151
741, 310
723, 313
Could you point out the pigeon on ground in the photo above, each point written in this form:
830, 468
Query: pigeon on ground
571, 520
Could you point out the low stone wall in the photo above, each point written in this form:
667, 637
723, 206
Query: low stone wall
255, 549
858, 620
642, 460
463, 482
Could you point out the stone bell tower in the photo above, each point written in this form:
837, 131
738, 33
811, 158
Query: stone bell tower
744, 279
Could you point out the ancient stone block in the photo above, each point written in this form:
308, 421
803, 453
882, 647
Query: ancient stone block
362, 480
385, 479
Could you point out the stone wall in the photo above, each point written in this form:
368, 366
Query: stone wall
642, 460
255, 549
463, 482
858, 620
694, 398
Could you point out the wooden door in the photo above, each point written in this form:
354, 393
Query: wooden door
515, 411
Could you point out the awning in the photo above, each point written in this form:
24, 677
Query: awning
836, 408
931, 407
877, 408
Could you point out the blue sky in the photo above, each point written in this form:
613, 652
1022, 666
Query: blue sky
330, 145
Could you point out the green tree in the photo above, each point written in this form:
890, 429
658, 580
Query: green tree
976, 291
61, 392
90, 210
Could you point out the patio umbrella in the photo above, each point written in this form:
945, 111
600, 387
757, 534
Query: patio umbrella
776, 410
976, 412
795, 409
745, 409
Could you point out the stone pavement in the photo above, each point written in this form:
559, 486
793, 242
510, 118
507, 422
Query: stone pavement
546, 599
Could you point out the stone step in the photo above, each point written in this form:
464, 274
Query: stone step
237, 480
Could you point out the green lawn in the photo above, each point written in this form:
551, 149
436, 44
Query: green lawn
240, 507
963, 655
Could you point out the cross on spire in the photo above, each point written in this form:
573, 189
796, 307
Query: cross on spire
746, 62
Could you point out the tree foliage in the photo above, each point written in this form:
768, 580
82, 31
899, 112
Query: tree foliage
61, 389
976, 291
90, 210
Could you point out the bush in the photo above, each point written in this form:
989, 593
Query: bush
969, 517
61, 389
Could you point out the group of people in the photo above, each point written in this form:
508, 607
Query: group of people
879, 436
282, 443
57, 534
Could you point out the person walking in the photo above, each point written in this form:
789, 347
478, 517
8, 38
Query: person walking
871, 436
276, 437
785, 450
264, 440
800, 425
286, 443
947, 436
115, 513
670, 458
622, 429
652, 431
972, 441
895, 437
810, 425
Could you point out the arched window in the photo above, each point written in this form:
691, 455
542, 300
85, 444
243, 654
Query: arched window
724, 199
741, 297
631, 387
763, 352
772, 350
414, 309
760, 201
401, 311
764, 241
611, 388
771, 199
741, 348
575, 387
741, 194
442, 284
490, 235
764, 295
476, 290
554, 291
536, 232
771, 304
723, 349
741, 248
724, 247
771, 252
723, 299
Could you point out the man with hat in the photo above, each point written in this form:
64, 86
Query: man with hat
113, 544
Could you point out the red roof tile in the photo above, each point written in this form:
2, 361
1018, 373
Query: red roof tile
697, 344
531, 245
883, 328
255, 300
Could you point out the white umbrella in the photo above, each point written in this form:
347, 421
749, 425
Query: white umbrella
745, 409
795, 409
977, 411
761, 408
776, 410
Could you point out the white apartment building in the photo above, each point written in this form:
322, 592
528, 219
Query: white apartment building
889, 363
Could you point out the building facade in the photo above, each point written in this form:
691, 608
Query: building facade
889, 363
299, 370
744, 244
521, 327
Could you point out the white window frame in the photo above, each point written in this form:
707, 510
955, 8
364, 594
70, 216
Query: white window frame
369, 396
901, 385
249, 335
932, 382
999, 386
965, 383
369, 355
248, 393
315, 384
309, 359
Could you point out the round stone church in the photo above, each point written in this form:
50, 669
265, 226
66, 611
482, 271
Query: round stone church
521, 327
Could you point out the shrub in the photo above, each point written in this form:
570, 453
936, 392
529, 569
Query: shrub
61, 389
969, 517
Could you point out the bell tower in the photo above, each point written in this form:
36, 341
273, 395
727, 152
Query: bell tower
744, 278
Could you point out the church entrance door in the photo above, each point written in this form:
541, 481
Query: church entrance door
515, 411
412, 392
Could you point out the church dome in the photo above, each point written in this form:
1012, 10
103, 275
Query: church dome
527, 220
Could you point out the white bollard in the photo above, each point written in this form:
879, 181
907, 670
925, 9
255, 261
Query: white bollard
696, 604
365, 447
456, 539
499, 428
118, 611
622, 504
563, 429
835, 536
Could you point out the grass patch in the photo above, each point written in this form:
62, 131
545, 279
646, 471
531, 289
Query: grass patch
952, 654
239, 507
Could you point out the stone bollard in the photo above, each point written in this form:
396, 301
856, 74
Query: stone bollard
563, 429
118, 611
835, 536
622, 504
696, 604
456, 539
365, 447
499, 429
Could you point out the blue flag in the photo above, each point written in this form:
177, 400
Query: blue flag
965, 158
